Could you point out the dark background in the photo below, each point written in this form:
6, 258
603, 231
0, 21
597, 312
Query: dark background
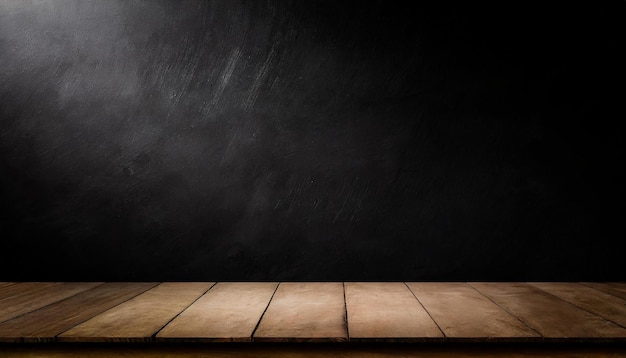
311, 140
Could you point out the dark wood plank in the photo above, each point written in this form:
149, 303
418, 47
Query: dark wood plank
387, 311
23, 298
229, 312
6, 284
552, 317
466, 315
603, 304
24, 288
138, 319
305, 312
45, 323
613, 288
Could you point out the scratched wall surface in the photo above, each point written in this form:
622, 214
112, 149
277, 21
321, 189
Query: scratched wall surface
309, 140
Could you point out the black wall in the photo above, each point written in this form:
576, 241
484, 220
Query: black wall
311, 140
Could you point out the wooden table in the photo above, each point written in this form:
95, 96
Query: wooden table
411, 312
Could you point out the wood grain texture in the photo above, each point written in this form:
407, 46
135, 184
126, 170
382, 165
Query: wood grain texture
26, 297
552, 317
140, 318
597, 302
302, 312
613, 288
45, 323
24, 288
466, 315
6, 284
229, 312
387, 311
311, 311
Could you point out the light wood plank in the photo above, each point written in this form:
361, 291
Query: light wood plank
589, 299
45, 323
23, 298
311, 311
387, 311
552, 317
138, 319
613, 288
466, 315
229, 312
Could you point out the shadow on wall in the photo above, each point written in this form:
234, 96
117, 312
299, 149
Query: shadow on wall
290, 140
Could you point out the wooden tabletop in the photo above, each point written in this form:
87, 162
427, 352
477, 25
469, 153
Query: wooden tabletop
312, 312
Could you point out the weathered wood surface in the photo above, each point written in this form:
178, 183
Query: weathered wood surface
46, 323
24, 289
387, 311
597, 302
140, 318
6, 284
613, 288
552, 317
311, 311
229, 312
466, 315
26, 297
302, 312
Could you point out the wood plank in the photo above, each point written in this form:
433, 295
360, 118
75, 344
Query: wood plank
613, 288
229, 312
45, 323
23, 298
552, 317
387, 311
6, 284
466, 315
24, 288
305, 312
138, 319
603, 304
